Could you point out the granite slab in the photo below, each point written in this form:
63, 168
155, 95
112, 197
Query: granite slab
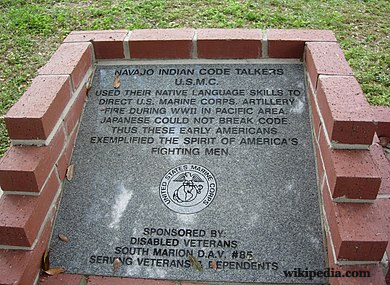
201, 172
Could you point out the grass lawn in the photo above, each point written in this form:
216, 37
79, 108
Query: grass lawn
31, 30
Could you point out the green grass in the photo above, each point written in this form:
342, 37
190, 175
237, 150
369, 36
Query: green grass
30, 32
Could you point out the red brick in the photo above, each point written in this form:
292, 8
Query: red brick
21, 266
229, 43
65, 158
320, 167
62, 166
191, 283
21, 217
106, 44
97, 280
25, 168
359, 230
70, 58
291, 43
327, 59
384, 204
375, 271
347, 116
38, 110
383, 166
351, 173
315, 118
382, 117
70, 146
316, 126
162, 43
387, 278
62, 279
75, 111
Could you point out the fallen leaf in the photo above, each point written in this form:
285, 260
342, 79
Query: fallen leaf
88, 85
195, 263
116, 264
63, 237
70, 172
117, 82
384, 141
214, 264
83, 281
54, 271
45, 261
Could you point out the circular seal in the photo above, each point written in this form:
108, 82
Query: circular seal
188, 188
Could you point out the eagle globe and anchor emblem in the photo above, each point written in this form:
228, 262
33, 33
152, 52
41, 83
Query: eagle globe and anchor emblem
188, 188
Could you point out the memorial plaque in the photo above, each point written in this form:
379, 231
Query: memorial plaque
195, 171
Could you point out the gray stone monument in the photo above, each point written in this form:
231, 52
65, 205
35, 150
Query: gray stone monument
200, 172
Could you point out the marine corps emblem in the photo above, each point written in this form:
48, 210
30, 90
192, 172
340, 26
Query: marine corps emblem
188, 188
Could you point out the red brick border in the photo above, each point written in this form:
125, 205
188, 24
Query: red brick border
376, 271
291, 43
72, 59
26, 168
324, 58
106, 44
347, 116
29, 214
43, 125
357, 229
166, 44
233, 43
382, 115
46, 96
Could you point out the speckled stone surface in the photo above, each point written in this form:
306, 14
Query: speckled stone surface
238, 194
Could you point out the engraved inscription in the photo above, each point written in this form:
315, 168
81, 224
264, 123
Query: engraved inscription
202, 115
201, 172
188, 188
